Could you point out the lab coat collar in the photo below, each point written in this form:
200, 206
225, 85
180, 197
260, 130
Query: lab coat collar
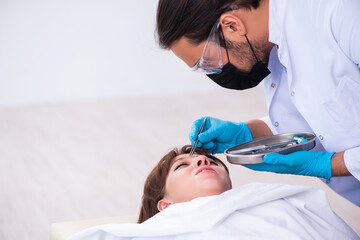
276, 19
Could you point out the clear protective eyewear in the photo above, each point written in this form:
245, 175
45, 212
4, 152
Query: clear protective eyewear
211, 59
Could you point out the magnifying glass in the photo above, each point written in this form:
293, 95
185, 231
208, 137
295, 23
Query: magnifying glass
253, 152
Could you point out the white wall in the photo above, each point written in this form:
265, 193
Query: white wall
64, 50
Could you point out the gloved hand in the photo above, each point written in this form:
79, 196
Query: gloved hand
218, 135
317, 164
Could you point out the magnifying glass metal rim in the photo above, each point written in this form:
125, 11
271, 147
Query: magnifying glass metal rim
253, 152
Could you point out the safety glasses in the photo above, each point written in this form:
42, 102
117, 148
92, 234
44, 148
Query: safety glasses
211, 59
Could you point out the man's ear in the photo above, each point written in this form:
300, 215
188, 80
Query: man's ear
232, 25
162, 204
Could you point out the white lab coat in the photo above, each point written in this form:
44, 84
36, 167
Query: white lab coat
314, 83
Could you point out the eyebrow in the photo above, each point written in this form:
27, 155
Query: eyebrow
179, 159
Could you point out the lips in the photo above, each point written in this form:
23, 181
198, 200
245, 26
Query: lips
204, 169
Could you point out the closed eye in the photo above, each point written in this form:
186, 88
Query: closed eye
180, 165
214, 162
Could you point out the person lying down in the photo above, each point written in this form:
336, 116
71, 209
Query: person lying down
191, 197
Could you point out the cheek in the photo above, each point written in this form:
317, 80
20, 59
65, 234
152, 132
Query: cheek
178, 183
224, 56
225, 179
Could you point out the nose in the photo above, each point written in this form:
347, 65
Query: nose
201, 161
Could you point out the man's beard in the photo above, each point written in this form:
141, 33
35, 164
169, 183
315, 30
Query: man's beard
244, 56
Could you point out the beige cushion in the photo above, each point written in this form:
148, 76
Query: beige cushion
63, 230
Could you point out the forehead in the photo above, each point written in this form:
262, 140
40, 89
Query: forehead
187, 51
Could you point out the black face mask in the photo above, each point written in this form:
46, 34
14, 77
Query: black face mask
230, 77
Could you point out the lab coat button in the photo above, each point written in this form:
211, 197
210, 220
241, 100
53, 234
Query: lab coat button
273, 85
276, 124
321, 137
292, 93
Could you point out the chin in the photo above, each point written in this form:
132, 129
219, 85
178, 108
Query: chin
216, 185
214, 190
204, 192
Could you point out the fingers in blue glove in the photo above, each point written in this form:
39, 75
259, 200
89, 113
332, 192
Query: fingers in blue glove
212, 133
223, 134
259, 167
306, 163
277, 159
195, 127
275, 162
211, 146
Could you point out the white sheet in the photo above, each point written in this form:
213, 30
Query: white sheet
253, 211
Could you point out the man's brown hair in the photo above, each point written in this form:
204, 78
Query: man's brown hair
192, 19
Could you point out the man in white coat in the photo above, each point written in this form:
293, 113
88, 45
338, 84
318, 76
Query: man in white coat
307, 53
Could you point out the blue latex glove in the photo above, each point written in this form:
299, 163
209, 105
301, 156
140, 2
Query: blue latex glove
218, 135
317, 164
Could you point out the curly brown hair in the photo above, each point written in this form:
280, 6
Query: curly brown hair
154, 188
